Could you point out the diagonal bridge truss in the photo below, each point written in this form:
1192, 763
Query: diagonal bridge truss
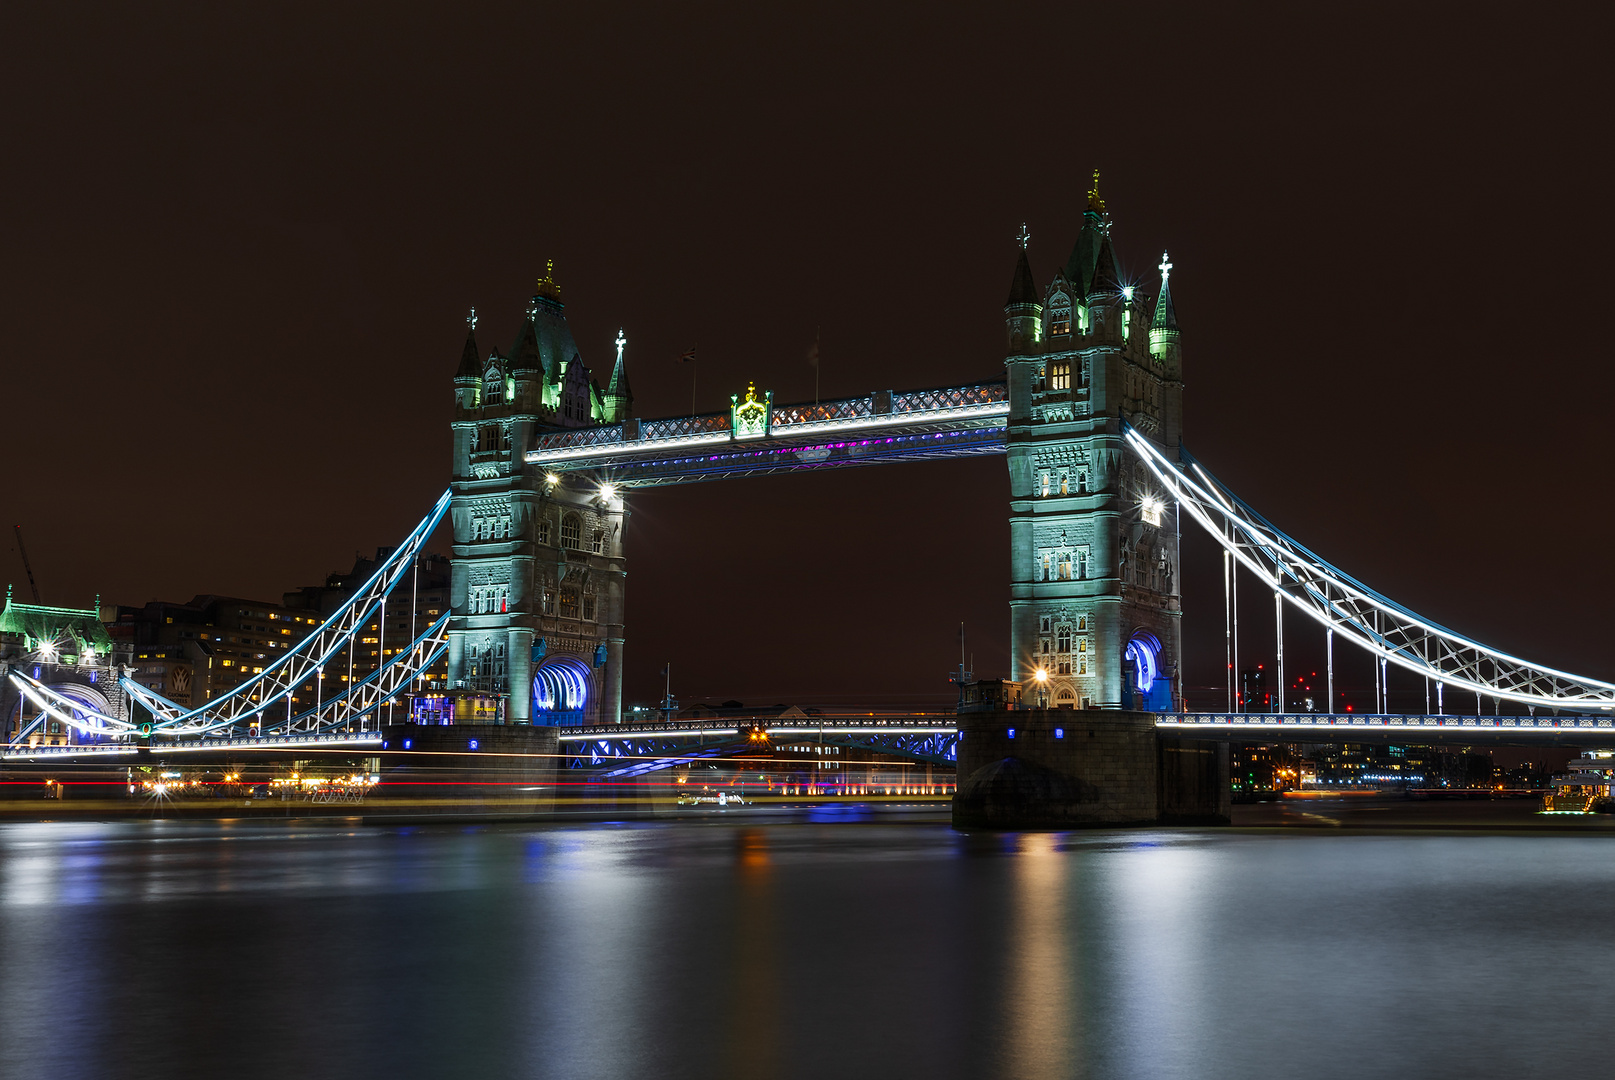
264, 705
1343, 605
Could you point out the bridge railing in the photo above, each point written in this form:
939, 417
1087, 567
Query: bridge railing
1412, 723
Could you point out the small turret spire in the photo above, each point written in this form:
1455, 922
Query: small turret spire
547, 286
1166, 318
470, 357
1095, 203
1023, 289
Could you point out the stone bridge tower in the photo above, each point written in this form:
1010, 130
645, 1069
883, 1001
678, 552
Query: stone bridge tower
537, 628
1095, 602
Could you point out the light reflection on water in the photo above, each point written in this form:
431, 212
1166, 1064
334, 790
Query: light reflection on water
798, 949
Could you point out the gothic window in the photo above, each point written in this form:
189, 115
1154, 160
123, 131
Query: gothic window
1043, 484
488, 437
1039, 380
549, 601
1082, 622
597, 542
569, 603
1064, 666
571, 532
471, 663
1065, 699
1063, 640
1060, 375
1045, 624
1045, 566
493, 387
1082, 644
1082, 564
1082, 482
544, 530
1065, 566
1059, 313
1065, 484
1045, 647
1082, 669
588, 606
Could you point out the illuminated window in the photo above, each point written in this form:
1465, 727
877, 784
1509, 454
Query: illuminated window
549, 601
1065, 566
1039, 380
1060, 375
493, 387
569, 603
1045, 566
1065, 484
597, 542
1043, 484
1082, 621
571, 532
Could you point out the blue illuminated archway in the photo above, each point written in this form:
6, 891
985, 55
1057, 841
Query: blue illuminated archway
561, 691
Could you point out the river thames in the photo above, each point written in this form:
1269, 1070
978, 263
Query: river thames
807, 945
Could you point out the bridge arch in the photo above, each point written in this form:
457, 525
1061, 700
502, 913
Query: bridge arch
562, 687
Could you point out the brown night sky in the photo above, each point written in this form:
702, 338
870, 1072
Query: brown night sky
240, 245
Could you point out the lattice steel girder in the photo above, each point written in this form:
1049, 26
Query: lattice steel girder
304, 660
62, 708
768, 457
1340, 602
376, 689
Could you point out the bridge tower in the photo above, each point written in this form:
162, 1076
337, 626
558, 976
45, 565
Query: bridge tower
538, 570
1094, 595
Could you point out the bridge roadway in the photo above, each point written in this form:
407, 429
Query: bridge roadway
919, 736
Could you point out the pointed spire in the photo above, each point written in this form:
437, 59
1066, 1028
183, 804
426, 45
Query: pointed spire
1095, 203
1023, 289
525, 355
1104, 280
470, 357
1166, 317
618, 387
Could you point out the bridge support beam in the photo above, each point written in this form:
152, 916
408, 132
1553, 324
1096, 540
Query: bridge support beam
1074, 768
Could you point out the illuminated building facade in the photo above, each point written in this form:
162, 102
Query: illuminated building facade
70, 651
537, 632
1095, 603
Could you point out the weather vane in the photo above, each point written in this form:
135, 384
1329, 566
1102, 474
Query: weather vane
471, 319
1024, 237
621, 341
1165, 268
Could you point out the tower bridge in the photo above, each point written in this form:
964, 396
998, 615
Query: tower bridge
1087, 409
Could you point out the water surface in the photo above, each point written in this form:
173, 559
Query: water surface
741, 947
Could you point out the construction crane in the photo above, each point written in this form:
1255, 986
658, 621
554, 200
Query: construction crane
25, 564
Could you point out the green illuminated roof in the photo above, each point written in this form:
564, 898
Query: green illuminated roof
42, 623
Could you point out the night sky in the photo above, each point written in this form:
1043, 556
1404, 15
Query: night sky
240, 245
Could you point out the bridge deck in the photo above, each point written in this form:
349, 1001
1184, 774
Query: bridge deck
884, 427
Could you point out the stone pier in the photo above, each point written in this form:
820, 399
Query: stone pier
1073, 768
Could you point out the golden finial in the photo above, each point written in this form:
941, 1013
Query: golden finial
1095, 203
546, 284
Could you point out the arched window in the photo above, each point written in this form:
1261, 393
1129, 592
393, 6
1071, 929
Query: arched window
597, 542
544, 531
1060, 375
493, 386
571, 532
1045, 566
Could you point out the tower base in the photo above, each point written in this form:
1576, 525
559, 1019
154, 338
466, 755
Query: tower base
1066, 768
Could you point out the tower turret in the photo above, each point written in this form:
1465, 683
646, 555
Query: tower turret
1023, 311
619, 399
1164, 327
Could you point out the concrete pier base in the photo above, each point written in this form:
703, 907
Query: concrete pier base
1064, 768
471, 768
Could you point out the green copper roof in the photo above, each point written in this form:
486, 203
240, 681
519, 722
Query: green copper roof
1166, 318
55, 624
